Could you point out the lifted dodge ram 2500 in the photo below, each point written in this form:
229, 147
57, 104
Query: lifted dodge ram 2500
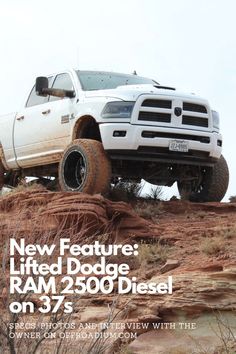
87, 129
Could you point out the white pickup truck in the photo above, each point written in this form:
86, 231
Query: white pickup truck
87, 129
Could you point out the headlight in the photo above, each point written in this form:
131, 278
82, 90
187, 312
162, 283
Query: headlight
216, 119
119, 109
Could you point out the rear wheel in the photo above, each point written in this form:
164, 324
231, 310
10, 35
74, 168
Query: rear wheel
213, 185
2, 172
85, 167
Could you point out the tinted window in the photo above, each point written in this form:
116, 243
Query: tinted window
64, 82
34, 99
95, 80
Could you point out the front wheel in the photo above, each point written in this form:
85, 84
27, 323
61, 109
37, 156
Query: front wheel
213, 185
85, 167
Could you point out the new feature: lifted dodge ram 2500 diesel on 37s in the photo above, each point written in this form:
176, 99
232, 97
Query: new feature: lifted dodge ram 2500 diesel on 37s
87, 129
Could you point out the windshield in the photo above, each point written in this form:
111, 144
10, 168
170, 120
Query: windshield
97, 80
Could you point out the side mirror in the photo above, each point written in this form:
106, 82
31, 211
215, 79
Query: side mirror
41, 86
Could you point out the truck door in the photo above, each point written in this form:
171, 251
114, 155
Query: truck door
42, 129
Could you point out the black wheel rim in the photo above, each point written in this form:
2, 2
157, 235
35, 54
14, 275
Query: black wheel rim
75, 170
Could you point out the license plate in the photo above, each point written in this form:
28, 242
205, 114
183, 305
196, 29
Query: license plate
178, 145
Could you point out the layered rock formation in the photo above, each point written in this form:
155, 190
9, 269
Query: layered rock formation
194, 243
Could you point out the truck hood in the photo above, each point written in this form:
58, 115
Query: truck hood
132, 92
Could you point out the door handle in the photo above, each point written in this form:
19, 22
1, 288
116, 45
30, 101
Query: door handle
46, 112
20, 118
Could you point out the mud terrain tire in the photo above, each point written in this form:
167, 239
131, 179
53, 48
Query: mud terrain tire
85, 167
214, 184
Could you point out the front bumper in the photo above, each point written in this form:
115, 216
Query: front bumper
141, 138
